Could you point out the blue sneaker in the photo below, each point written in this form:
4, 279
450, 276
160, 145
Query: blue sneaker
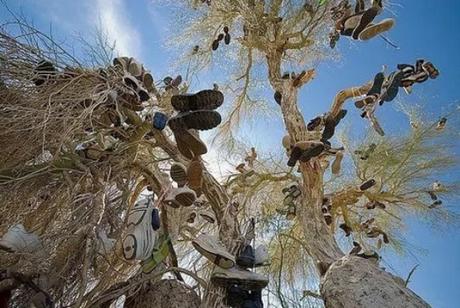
160, 120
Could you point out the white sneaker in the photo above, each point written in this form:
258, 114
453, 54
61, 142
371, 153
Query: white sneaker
140, 239
17, 239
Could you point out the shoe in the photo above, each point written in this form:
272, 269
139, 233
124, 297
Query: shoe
314, 123
208, 217
135, 68
191, 218
435, 204
366, 185
122, 62
441, 124
178, 174
247, 258
236, 296
159, 120
278, 97
189, 143
366, 19
373, 30
133, 83
17, 239
43, 70
215, 45
286, 142
148, 82
184, 196
155, 219
261, 255
195, 175
176, 81
213, 249
376, 88
429, 68
198, 119
141, 238
159, 254
203, 100
237, 276
315, 150
346, 229
227, 38
254, 300
291, 212
337, 164
392, 89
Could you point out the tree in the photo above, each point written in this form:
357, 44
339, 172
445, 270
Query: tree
71, 198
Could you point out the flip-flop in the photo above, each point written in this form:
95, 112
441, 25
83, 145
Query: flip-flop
195, 175
373, 30
366, 18
198, 119
213, 249
178, 174
203, 100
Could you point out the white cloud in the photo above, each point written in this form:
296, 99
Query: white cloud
115, 23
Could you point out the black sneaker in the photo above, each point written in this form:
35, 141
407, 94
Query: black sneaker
236, 296
254, 300
313, 152
394, 82
247, 257
376, 88
215, 45
366, 185
314, 123
203, 100
199, 119
278, 97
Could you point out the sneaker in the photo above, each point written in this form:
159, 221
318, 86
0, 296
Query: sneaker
203, 100
184, 196
159, 120
315, 150
430, 69
346, 229
238, 276
213, 249
135, 68
373, 30
195, 175
366, 185
43, 70
159, 254
278, 97
337, 164
236, 296
178, 174
148, 82
392, 89
246, 259
122, 62
17, 239
365, 20
376, 88
441, 124
141, 238
254, 300
189, 144
227, 38
215, 45
356, 248
198, 119
314, 123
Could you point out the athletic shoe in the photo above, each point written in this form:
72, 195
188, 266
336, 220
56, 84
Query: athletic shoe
213, 249
246, 258
238, 276
373, 30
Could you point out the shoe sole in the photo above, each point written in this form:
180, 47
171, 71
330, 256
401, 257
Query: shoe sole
195, 175
178, 174
245, 284
315, 151
200, 120
203, 100
365, 20
377, 29
185, 198
367, 185
294, 157
245, 262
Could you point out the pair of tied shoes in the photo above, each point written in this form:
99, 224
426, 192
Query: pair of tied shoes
195, 112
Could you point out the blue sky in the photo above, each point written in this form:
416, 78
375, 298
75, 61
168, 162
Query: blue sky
424, 28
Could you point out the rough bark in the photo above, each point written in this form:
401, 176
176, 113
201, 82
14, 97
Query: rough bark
166, 293
357, 282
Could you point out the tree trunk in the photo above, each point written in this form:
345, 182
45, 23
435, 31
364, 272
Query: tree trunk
350, 281
357, 282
